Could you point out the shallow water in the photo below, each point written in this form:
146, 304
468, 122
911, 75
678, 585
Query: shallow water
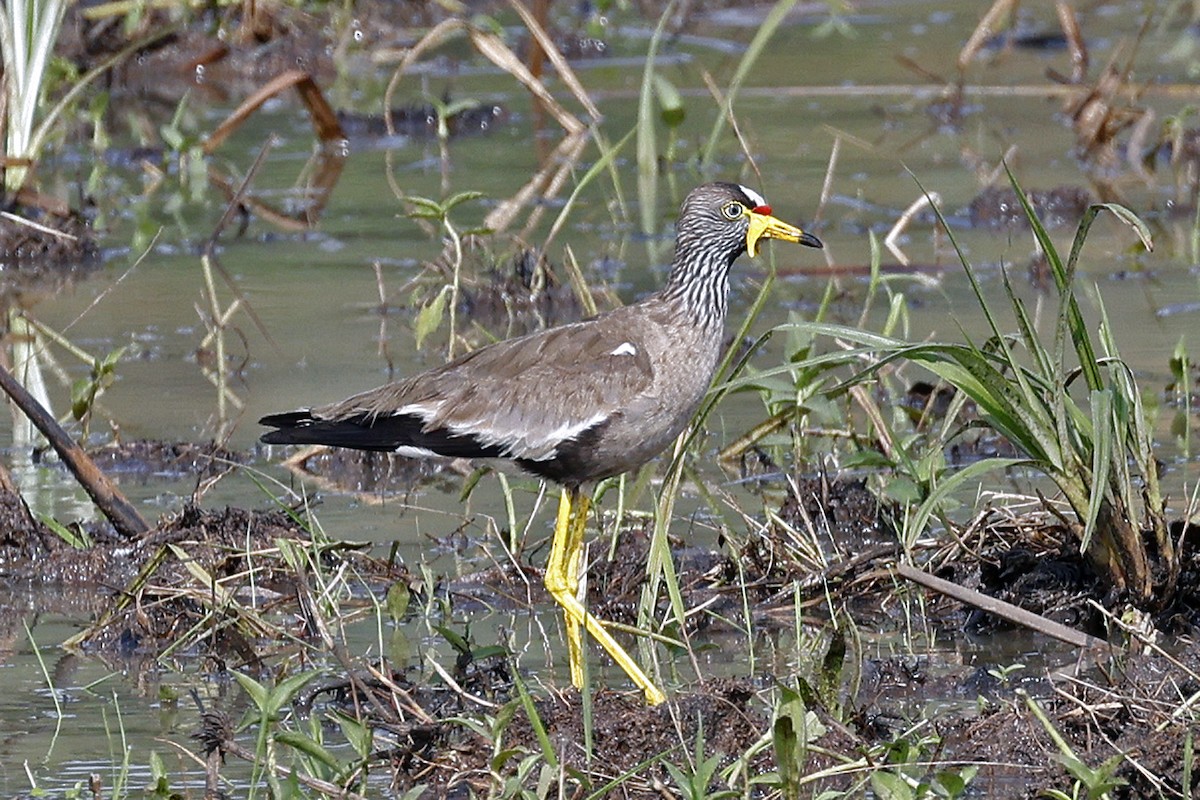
317, 294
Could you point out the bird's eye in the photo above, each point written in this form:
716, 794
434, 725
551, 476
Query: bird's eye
733, 210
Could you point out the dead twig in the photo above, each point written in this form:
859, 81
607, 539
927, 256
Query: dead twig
1000, 608
104, 493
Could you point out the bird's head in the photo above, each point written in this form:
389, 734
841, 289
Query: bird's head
734, 218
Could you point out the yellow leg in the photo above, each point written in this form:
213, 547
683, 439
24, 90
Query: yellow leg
562, 581
566, 551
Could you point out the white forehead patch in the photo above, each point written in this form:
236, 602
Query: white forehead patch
756, 199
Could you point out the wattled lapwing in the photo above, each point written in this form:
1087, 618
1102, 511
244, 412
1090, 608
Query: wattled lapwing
577, 403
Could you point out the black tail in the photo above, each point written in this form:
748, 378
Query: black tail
381, 434
301, 427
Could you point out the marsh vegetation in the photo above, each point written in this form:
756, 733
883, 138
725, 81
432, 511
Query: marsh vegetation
933, 533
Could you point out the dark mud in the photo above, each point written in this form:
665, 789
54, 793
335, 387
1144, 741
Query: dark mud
190, 569
233, 588
145, 459
999, 208
31, 551
45, 252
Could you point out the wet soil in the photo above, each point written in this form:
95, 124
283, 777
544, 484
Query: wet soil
1058, 207
144, 459
42, 252
234, 588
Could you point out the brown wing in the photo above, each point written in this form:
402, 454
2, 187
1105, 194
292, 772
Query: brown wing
520, 398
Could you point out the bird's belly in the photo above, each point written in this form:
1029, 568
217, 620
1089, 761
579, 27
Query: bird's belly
643, 431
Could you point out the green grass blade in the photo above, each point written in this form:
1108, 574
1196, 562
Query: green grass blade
535, 719
1063, 278
647, 135
749, 58
1028, 334
1102, 460
601, 164
945, 488
1044, 424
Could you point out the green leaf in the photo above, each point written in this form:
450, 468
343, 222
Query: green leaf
425, 204
947, 487
866, 459
286, 690
890, 786
429, 318
459, 199
535, 720
81, 397
790, 739
829, 679
109, 362
754, 50
670, 102
257, 692
1102, 460
398, 596
647, 144
78, 541
1132, 220
307, 746
357, 733
490, 651
454, 639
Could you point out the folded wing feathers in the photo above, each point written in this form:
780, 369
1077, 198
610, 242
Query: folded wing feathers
519, 399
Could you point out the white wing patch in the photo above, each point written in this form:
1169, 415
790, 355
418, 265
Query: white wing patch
535, 445
416, 410
624, 349
408, 451
756, 199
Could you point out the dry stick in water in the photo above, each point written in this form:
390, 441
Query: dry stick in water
1000, 608
107, 497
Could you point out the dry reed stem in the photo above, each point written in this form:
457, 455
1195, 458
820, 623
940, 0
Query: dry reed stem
891, 240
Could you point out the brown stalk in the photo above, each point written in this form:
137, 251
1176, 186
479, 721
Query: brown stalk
551, 178
104, 493
1075, 43
324, 120
329, 163
1000, 608
988, 23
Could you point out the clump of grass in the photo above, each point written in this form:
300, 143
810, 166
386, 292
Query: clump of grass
1082, 424
1068, 403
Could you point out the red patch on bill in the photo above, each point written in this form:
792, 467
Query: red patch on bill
762, 210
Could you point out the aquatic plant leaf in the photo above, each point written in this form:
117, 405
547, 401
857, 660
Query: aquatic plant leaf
398, 597
890, 786
794, 729
429, 318
458, 199
286, 690
453, 639
257, 692
308, 746
77, 541
670, 102
357, 733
